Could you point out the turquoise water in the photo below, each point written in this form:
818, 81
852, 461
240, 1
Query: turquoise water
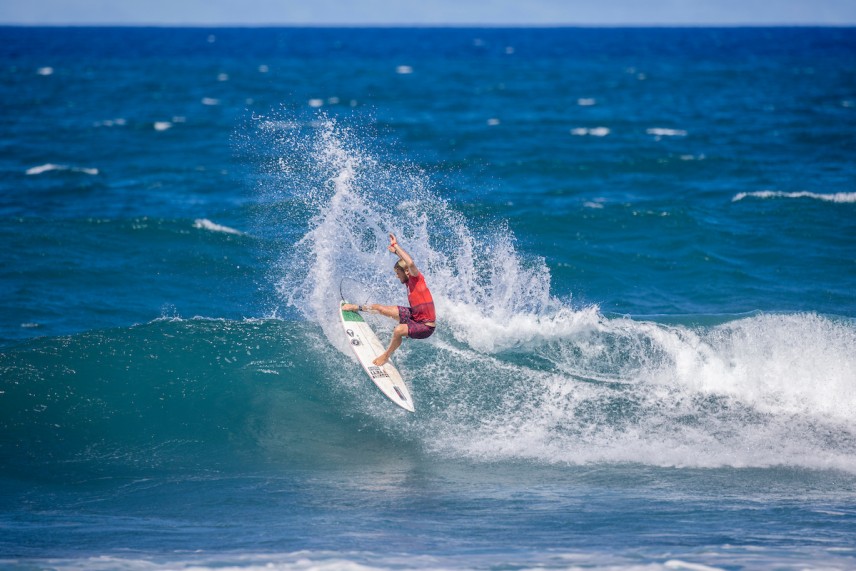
640, 243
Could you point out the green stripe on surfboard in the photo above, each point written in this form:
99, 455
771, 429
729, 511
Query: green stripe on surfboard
352, 316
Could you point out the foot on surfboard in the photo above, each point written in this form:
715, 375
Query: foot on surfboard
381, 361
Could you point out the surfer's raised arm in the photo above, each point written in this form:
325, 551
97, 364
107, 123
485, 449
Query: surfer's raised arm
403, 255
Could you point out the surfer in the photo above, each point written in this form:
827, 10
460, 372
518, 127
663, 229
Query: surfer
416, 321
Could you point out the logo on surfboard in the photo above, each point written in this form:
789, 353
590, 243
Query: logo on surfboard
400, 394
376, 372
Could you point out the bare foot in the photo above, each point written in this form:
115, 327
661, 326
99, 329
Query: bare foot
381, 361
349, 307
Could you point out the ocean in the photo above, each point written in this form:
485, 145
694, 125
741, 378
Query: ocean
641, 244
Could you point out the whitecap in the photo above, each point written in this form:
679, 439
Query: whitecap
45, 71
45, 168
586, 102
52, 167
493, 121
678, 564
661, 132
205, 224
316, 103
210, 101
109, 122
223, 77
593, 132
162, 125
839, 197
404, 70
263, 69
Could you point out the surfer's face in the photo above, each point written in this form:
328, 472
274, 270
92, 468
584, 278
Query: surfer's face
402, 275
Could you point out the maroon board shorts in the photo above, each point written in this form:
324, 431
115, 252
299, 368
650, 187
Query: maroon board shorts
415, 330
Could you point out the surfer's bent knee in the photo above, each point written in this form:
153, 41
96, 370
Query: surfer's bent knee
401, 330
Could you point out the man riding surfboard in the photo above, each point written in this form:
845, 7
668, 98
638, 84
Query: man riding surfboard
417, 321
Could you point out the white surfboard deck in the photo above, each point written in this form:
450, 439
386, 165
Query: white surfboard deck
367, 347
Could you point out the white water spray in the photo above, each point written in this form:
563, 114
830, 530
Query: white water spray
516, 374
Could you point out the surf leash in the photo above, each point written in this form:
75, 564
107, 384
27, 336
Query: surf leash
341, 293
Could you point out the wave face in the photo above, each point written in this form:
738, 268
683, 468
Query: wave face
178, 396
575, 389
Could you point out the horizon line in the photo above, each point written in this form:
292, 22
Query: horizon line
461, 25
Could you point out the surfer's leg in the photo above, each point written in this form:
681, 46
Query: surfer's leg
387, 310
398, 334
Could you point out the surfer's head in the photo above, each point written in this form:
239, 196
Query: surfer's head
401, 271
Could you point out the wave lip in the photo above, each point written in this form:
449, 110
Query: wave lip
838, 197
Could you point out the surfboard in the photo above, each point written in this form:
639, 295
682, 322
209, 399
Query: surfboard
367, 347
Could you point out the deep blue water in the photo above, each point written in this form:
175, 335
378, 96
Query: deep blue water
641, 242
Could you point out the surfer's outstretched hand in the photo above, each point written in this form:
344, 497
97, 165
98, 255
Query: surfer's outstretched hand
392, 243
